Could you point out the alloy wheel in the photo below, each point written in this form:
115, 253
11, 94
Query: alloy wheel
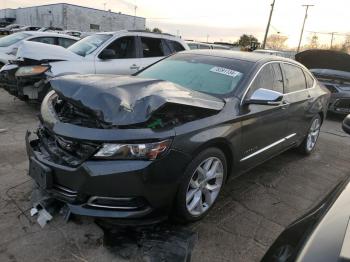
204, 186
313, 134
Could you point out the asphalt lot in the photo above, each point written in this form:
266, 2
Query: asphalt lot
249, 215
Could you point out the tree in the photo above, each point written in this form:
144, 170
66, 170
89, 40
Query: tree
276, 41
314, 41
156, 30
346, 45
247, 40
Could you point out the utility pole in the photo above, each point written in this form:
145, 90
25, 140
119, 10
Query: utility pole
268, 24
104, 6
302, 29
332, 33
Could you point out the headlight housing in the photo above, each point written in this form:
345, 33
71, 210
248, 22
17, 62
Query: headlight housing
31, 70
142, 151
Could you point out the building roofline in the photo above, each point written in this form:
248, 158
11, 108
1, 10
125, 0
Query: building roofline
100, 10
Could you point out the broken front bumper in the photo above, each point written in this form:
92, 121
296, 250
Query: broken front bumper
114, 189
340, 103
25, 88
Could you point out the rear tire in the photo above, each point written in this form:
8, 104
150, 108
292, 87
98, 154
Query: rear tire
202, 184
309, 143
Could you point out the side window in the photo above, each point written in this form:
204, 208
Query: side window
123, 47
65, 42
309, 80
278, 81
192, 46
45, 40
295, 79
269, 77
152, 47
177, 47
204, 46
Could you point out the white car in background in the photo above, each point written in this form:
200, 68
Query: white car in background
199, 45
119, 53
286, 54
10, 44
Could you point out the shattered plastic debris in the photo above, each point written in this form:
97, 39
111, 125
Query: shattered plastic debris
43, 215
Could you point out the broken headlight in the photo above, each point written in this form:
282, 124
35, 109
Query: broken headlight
31, 70
146, 151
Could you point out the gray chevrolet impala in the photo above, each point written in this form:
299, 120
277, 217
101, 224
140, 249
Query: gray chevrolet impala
165, 140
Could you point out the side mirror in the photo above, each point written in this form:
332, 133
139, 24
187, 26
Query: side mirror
346, 124
264, 96
107, 54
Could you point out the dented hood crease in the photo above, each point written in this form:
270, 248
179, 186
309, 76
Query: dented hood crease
39, 51
127, 100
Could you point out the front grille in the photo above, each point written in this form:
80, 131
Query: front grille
65, 151
331, 88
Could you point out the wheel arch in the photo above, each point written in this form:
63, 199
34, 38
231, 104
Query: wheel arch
225, 146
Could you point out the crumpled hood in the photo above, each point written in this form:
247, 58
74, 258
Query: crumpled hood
40, 51
324, 59
127, 100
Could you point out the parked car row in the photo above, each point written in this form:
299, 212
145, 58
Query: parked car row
120, 53
9, 44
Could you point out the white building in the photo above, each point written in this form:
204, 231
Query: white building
72, 17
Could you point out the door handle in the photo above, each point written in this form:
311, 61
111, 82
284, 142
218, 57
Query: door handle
134, 67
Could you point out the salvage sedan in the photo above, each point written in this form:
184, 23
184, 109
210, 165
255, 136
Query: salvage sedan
332, 69
165, 140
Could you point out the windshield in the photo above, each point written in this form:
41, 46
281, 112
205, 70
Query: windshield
208, 74
89, 44
12, 39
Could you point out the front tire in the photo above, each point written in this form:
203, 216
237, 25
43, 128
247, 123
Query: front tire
309, 143
203, 180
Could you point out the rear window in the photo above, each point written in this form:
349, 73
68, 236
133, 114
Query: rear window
45, 40
12, 39
65, 42
213, 75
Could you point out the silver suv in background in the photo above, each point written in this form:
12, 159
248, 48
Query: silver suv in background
120, 53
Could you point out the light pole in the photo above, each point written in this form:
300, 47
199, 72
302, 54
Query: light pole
268, 25
302, 29
332, 33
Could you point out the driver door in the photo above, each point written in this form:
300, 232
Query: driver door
264, 127
125, 60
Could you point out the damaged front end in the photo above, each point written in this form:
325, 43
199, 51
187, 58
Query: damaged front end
104, 145
26, 79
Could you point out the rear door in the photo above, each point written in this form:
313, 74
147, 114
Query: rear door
264, 127
298, 98
152, 49
125, 62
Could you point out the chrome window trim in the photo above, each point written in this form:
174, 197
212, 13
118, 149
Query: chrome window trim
280, 62
268, 147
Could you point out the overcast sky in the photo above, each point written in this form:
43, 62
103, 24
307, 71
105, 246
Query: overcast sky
227, 19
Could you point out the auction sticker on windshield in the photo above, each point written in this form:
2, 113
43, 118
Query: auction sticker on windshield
225, 71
